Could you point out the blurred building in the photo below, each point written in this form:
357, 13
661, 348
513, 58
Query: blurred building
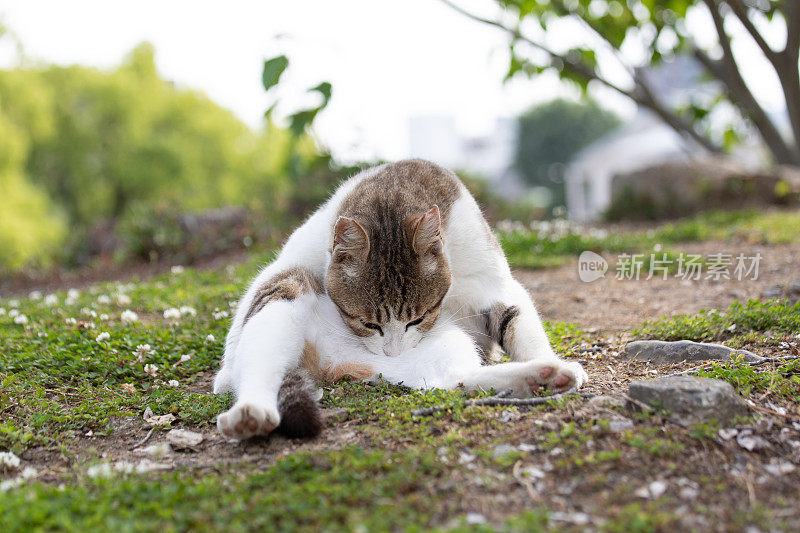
644, 142
489, 156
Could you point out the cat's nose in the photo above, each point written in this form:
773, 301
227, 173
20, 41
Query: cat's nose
387, 353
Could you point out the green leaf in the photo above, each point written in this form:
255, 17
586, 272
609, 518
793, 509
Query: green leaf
300, 120
273, 68
325, 90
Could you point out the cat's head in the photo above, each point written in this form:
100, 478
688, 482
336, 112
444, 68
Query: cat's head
388, 278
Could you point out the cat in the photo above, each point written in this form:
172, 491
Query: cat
398, 277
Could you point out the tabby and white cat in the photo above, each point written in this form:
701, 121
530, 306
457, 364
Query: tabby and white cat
396, 276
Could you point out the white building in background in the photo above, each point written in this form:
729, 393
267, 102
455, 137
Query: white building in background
490, 156
643, 142
646, 141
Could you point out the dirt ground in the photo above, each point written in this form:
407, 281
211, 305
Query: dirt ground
613, 305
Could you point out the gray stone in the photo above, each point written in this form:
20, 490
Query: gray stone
796, 287
606, 402
774, 292
691, 399
182, 439
679, 351
338, 414
620, 424
501, 450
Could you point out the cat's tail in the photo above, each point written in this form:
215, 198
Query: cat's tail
298, 405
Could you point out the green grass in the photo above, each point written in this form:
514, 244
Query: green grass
327, 491
557, 243
771, 322
773, 316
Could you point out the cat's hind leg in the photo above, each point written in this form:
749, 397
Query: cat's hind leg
512, 322
269, 347
449, 358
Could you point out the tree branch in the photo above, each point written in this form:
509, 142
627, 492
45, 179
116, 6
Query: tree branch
641, 94
727, 71
740, 10
576, 66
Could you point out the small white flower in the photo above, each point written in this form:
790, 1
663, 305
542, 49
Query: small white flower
21, 319
128, 316
89, 312
51, 300
123, 299
210, 339
13, 313
2, 311
173, 383
13, 303
150, 369
103, 299
35, 295
186, 310
172, 314
185, 357
219, 315
9, 460
103, 470
103, 316
70, 321
104, 336
177, 269
144, 349
72, 295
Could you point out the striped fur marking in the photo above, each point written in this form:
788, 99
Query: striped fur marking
287, 285
498, 323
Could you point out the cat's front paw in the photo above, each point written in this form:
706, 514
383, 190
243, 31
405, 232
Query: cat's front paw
555, 375
247, 419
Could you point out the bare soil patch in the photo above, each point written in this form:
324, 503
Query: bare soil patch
615, 305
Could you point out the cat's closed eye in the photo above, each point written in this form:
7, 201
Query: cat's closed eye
376, 327
414, 322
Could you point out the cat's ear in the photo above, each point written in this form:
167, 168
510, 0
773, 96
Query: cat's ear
427, 233
349, 240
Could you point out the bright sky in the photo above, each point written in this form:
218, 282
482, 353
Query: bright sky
387, 60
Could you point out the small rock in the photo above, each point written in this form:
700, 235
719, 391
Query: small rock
796, 287
532, 471
780, 469
466, 458
475, 518
652, 491
679, 351
160, 420
606, 402
620, 424
692, 399
181, 439
501, 450
580, 519
774, 292
156, 451
524, 447
338, 414
727, 433
509, 416
751, 442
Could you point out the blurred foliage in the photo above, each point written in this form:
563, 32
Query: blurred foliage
659, 30
81, 146
551, 133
